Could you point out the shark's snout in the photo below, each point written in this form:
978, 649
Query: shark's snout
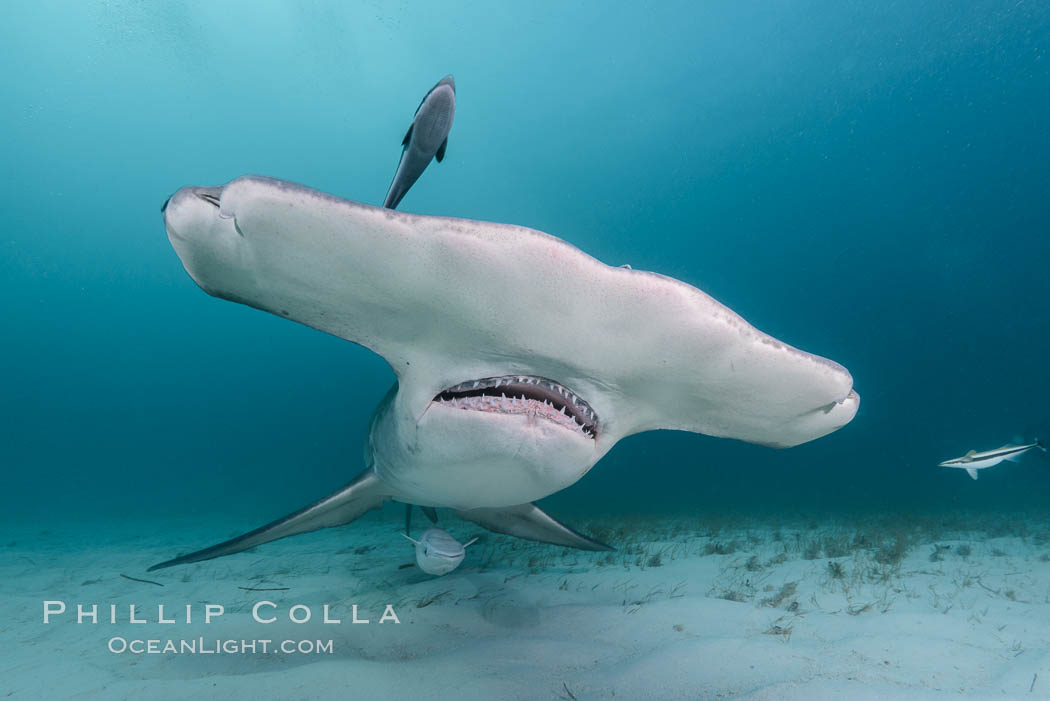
210, 195
207, 241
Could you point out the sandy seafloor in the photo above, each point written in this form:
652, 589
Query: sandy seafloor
891, 607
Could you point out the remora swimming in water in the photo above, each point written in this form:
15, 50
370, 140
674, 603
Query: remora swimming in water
427, 138
437, 552
520, 360
974, 461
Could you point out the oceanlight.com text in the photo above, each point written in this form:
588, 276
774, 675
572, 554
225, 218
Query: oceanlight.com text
212, 646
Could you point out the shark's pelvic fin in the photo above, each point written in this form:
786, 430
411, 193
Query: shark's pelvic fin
532, 523
365, 493
972, 472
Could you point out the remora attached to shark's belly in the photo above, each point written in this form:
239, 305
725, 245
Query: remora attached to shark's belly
520, 360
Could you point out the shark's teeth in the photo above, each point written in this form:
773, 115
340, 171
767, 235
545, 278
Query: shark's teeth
529, 395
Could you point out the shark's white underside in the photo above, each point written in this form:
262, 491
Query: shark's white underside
447, 300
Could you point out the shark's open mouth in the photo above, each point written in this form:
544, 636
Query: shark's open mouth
524, 394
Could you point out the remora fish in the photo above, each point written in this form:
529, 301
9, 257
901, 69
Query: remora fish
437, 552
427, 138
974, 461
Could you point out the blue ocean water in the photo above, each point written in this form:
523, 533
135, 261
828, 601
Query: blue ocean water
867, 181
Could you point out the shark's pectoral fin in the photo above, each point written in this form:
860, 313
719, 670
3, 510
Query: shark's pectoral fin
532, 523
972, 472
440, 155
365, 493
408, 135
